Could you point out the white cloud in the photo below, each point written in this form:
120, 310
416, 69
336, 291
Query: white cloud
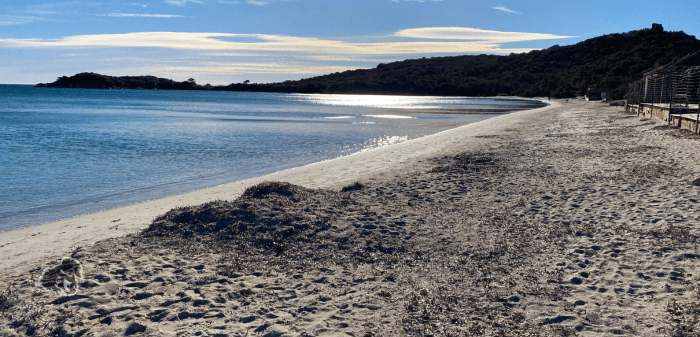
256, 68
476, 41
40, 12
501, 8
67, 4
262, 2
474, 34
127, 15
182, 2
11, 20
238, 54
343, 58
226, 58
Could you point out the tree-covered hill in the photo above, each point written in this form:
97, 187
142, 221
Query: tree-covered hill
606, 63
97, 81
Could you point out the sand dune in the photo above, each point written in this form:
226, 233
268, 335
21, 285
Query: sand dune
578, 219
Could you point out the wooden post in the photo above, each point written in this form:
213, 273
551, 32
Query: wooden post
652, 96
636, 97
697, 117
670, 97
639, 96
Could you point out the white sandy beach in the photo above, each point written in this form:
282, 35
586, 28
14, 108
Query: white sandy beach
575, 219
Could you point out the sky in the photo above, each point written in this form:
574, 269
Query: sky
230, 41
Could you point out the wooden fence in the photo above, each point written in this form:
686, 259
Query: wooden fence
670, 93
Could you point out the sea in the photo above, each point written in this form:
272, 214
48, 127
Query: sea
70, 152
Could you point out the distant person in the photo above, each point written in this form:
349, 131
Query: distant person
549, 98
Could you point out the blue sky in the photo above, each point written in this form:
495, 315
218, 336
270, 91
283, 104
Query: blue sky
226, 41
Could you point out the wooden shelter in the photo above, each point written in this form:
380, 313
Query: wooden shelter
670, 92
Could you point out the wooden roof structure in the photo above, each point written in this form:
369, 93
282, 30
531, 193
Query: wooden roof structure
676, 84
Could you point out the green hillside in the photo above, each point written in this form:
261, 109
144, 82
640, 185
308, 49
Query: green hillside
606, 63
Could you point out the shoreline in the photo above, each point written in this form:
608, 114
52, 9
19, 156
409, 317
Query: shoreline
58, 192
577, 220
32, 244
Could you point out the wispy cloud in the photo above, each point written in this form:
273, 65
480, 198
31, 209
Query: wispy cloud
182, 2
222, 57
343, 58
40, 12
262, 2
472, 41
474, 34
480, 42
10, 20
250, 2
58, 8
257, 68
65, 4
128, 15
503, 9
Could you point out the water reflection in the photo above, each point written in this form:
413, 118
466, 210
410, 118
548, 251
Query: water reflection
374, 101
69, 152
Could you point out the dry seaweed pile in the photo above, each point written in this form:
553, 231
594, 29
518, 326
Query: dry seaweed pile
283, 219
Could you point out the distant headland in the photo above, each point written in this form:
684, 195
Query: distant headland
603, 64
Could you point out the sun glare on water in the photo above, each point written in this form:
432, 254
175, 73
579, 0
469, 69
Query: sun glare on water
383, 141
375, 101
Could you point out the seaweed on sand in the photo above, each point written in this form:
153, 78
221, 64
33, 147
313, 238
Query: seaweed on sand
271, 217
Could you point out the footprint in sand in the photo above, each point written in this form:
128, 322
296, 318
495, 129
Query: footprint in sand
62, 279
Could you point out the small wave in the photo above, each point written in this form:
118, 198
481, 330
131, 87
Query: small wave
389, 116
340, 117
416, 107
410, 107
376, 143
363, 123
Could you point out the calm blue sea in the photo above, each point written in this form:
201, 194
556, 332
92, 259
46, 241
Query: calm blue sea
68, 152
